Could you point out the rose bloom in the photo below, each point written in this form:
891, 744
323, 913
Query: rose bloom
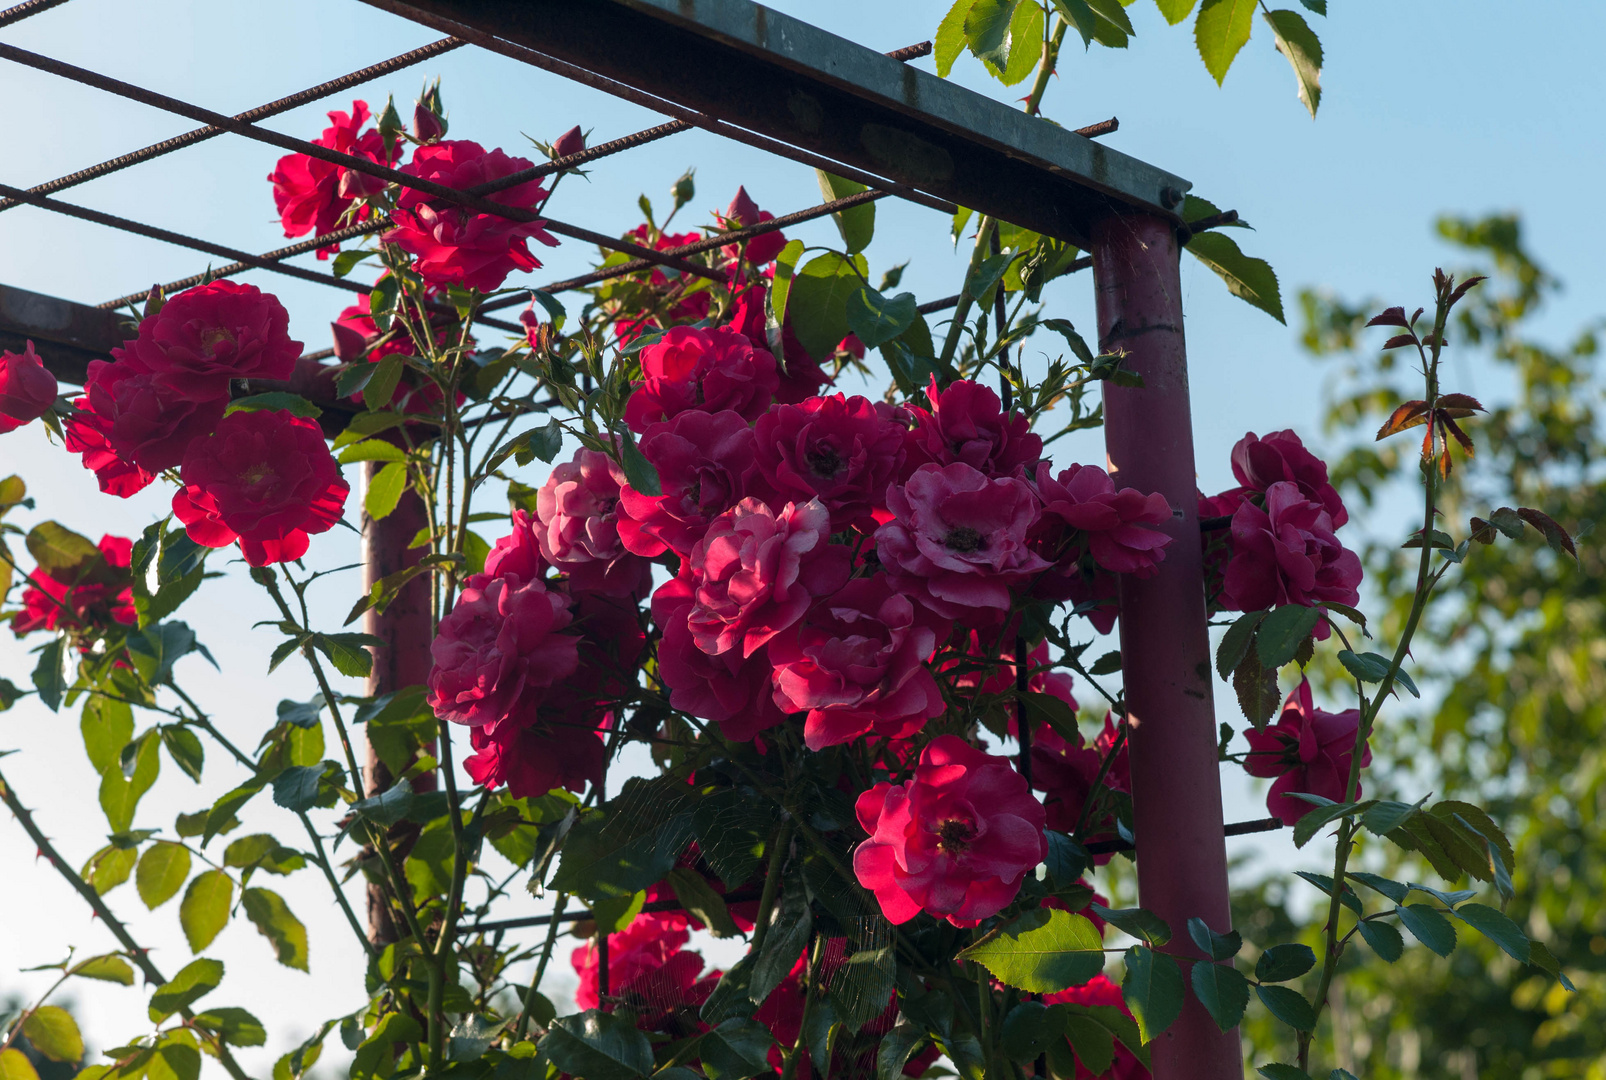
533, 757
842, 450
743, 213
858, 663
144, 420
1308, 750
518, 552
312, 194
1101, 992
1259, 463
85, 435
265, 479
710, 370
958, 539
727, 689
685, 307
577, 510
1083, 500
1065, 772
453, 245
504, 637
801, 377
955, 841
205, 336
649, 969
355, 329
1287, 554
102, 595
755, 571
966, 423
27, 390
705, 464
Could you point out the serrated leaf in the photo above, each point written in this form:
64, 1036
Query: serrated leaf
205, 908
818, 300
1223, 991
1044, 951
1236, 642
1256, 687
108, 968
236, 1026
14, 1065
274, 920
1251, 280
381, 386
1139, 923
1325, 884
949, 40
1214, 945
736, 1049
54, 1033
1220, 31
1315, 820
1384, 939
1429, 927
1283, 962
1278, 1071
642, 474
1175, 10
1297, 42
598, 1046
1282, 632
276, 401
193, 982
856, 223
1152, 990
1287, 1005
877, 319
1497, 928
163, 869
987, 31
385, 490
1394, 890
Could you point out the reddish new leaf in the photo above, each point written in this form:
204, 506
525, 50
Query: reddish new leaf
1460, 405
1461, 289
1399, 341
1482, 531
1408, 415
1556, 536
1454, 429
1394, 316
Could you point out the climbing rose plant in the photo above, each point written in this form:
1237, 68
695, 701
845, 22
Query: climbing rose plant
850, 630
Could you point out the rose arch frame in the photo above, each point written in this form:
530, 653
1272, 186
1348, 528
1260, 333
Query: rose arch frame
742, 71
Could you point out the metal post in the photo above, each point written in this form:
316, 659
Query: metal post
1165, 646
403, 660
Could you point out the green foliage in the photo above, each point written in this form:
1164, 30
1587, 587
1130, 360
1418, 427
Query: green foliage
1043, 951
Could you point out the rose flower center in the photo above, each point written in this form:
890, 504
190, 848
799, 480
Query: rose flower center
823, 460
954, 836
964, 538
213, 336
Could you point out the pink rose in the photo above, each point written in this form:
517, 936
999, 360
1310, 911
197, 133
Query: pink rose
311, 194
802, 377
710, 370
143, 418
532, 757
1287, 554
958, 539
649, 967
1065, 772
755, 571
519, 552
842, 450
1259, 463
1100, 992
578, 530
955, 841
502, 638
726, 689
1083, 500
858, 663
705, 463
1309, 751
966, 423
27, 390
206, 336
453, 245
743, 213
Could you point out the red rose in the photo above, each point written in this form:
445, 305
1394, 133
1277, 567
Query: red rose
955, 841
802, 377
857, 663
1309, 751
205, 336
1083, 500
842, 450
97, 596
27, 390
649, 968
143, 418
743, 213
966, 423
518, 552
664, 291
578, 528
958, 539
503, 637
452, 245
1259, 463
84, 435
263, 478
709, 370
1287, 554
755, 571
1100, 992
1066, 771
705, 464
312, 194
532, 757
727, 689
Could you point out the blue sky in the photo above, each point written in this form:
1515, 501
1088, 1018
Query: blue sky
1428, 107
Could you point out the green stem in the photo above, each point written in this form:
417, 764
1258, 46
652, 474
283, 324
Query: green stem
789, 1069
772, 885
540, 967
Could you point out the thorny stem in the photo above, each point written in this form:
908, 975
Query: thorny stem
812, 976
772, 885
540, 967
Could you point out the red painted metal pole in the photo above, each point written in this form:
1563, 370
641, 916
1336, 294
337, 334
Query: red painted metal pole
1165, 646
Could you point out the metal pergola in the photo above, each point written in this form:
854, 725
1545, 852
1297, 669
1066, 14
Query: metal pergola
828, 103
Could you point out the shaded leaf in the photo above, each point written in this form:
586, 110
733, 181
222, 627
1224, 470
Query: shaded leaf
1384, 939
598, 1046
1152, 989
1428, 927
1287, 1005
273, 919
54, 1033
1223, 991
193, 982
1297, 42
1497, 928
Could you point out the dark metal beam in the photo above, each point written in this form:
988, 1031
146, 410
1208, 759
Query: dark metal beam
742, 63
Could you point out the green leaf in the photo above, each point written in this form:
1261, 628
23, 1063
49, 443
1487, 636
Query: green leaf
236, 1026
611, 915
1428, 927
1497, 928
856, 223
1027, 1030
372, 450
472, 1036
1141, 924
1152, 990
949, 40
163, 869
375, 1055
48, 677
205, 908
1175, 10
1316, 820
1542, 958
109, 867
1222, 28
1298, 43
1278, 1071
895, 1049
698, 898
1043, 951
781, 289
788, 935
1287, 1005
62, 553
1025, 43
1223, 991
389, 806
385, 490
156, 649
53, 1032
106, 725
732, 831
598, 1046
1384, 939
987, 32
1235, 643
1102, 21
14, 1065
1251, 280
1257, 691
119, 794
1283, 631
818, 301
193, 982
273, 919
382, 383
877, 319
1325, 884
1394, 890
1387, 815
346, 261
184, 747
1093, 1043
1283, 962
348, 652
108, 968
296, 788
276, 401
735, 1050
1214, 945
642, 474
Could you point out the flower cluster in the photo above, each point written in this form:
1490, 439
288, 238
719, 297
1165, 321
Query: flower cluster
316, 196
91, 597
1308, 750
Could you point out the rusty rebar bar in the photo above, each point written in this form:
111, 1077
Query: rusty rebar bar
1103, 127
18, 12
911, 52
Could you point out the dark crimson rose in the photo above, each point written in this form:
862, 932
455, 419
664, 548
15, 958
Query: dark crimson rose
857, 663
27, 390
143, 418
504, 637
955, 841
205, 336
742, 213
958, 539
533, 757
578, 528
728, 689
96, 597
801, 377
1258, 463
1308, 750
263, 478
570, 142
519, 552
705, 464
649, 969
709, 370
84, 435
452, 245
1287, 554
966, 423
1083, 504
842, 450
310, 193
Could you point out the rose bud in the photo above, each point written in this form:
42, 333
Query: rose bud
426, 125
570, 142
359, 185
349, 343
27, 390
